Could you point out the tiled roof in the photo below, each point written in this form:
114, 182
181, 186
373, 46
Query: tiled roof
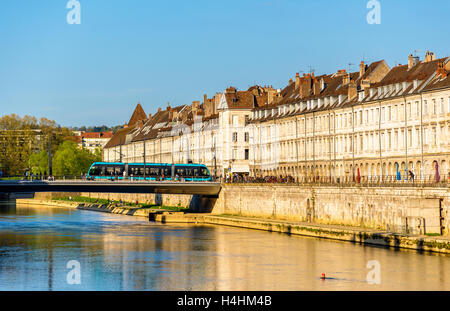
254, 97
93, 135
119, 137
138, 115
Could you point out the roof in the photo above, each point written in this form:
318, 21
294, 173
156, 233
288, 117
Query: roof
94, 135
254, 97
138, 115
119, 138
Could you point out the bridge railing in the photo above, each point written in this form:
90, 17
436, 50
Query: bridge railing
35, 178
363, 181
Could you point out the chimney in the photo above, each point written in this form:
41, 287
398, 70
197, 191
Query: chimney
149, 116
362, 69
159, 109
412, 61
305, 86
195, 106
316, 87
297, 80
345, 79
352, 90
168, 106
429, 56
270, 96
290, 81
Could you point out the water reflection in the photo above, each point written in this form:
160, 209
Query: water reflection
126, 253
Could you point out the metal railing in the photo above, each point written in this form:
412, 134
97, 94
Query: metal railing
363, 181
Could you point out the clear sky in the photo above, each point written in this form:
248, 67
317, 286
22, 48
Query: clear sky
176, 51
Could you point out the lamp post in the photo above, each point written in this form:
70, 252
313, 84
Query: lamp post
144, 161
213, 149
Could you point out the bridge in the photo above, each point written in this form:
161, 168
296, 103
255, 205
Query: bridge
208, 189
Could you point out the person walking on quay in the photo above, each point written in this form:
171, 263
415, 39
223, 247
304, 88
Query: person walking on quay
411, 174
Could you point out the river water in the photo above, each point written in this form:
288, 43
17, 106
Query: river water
117, 252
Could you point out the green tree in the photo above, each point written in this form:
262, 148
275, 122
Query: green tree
69, 159
38, 163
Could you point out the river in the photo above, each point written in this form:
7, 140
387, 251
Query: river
117, 252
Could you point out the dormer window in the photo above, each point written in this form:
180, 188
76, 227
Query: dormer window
360, 96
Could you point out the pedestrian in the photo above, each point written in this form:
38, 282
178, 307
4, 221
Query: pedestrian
124, 175
411, 174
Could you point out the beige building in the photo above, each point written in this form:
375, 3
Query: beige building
373, 125
376, 124
213, 132
93, 140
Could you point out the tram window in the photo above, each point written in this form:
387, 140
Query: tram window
204, 172
154, 171
119, 170
95, 170
165, 171
110, 170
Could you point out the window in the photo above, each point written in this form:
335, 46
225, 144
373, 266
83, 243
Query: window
246, 154
235, 137
234, 155
425, 107
246, 137
235, 120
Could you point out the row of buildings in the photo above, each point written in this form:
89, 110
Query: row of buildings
378, 123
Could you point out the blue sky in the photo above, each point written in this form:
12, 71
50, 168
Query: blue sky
176, 51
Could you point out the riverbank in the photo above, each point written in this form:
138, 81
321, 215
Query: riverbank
113, 208
421, 243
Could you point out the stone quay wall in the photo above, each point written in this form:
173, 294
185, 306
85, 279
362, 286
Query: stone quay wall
395, 209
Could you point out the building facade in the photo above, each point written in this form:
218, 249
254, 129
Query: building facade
377, 124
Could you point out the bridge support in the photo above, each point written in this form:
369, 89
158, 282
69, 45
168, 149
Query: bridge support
7, 202
202, 203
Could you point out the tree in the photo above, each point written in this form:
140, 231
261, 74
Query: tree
23, 141
38, 163
69, 159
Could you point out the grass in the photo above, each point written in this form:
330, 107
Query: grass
81, 199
